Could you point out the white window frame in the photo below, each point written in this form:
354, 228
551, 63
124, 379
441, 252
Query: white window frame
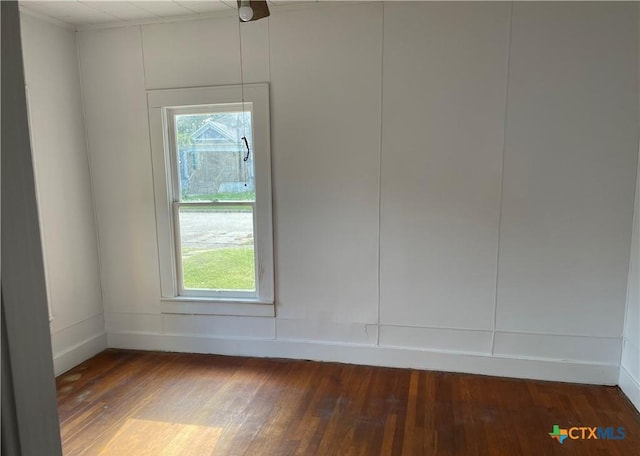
162, 104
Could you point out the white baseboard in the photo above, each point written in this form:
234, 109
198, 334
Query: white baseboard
77, 343
483, 364
630, 387
70, 358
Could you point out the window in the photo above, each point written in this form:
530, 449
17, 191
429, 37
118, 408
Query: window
212, 182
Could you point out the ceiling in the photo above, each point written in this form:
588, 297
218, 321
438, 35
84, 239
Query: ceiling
86, 12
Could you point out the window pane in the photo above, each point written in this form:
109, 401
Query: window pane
217, 246
211, 156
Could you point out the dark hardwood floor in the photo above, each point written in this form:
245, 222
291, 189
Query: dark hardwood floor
146, 403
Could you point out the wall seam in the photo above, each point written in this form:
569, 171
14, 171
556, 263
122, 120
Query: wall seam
501, 191
269, 50
153, 177
91, 177
635, 223
273, 200
636, 214
636, 381
520, 333
380, 169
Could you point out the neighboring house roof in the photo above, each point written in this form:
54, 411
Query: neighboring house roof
213, 133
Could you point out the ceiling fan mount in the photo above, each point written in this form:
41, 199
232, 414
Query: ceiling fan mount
252, 10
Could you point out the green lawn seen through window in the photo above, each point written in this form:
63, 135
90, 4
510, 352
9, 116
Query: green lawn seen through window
219, 269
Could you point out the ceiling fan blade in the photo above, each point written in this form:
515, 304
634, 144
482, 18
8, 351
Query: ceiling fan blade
259, 7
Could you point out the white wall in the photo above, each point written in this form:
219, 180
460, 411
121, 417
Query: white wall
63, 192
630, 362
326, 147
445, 70
452, 188
569, 179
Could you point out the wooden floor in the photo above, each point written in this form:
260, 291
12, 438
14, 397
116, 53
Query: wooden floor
144, 403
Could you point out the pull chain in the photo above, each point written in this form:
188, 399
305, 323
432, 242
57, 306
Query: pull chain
246, 157
244, 126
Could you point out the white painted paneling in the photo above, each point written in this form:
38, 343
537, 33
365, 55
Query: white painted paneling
631, 359
63, 185
568, 181
78, 333
325, 101
445, 68
630, 387
205, 53
569, 172
137, 341
439, 339
133, 322
67, 12
563, 348
219, 326
116, 116
76, 354
326, 331
631, 347
77, 343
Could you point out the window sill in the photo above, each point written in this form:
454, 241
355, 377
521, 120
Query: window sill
208, 306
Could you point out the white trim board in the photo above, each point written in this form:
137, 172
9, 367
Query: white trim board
530, 368
79, 353
630, 387
163, 106
77, 343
